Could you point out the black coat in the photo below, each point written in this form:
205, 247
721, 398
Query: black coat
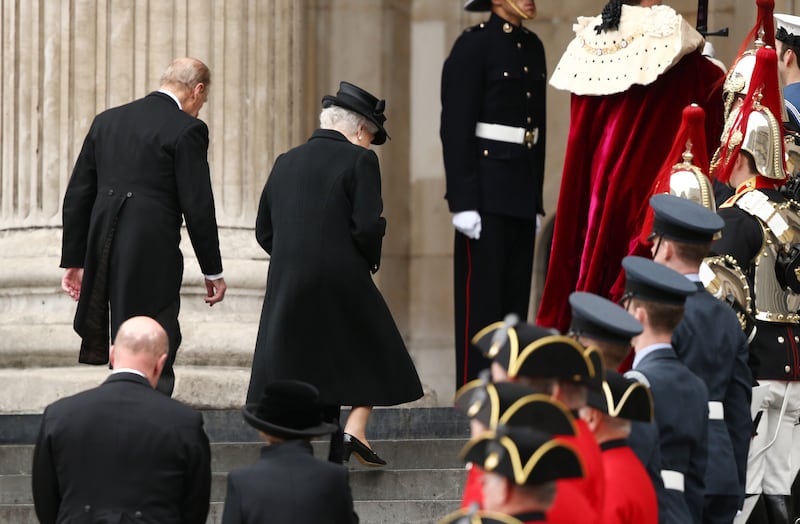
121, 451
496, 77
289, 486
324, 320
141, 171
710, 342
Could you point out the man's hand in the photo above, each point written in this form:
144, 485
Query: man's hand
71, 282
215, 291
468, 223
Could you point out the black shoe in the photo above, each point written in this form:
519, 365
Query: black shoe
364, 455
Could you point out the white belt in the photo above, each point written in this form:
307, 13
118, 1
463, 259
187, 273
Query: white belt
672, 479
715, 410
501, 133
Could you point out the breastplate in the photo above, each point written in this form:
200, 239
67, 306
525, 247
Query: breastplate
780, 226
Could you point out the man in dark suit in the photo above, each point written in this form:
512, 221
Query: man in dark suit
288, 484
122, 452
141, 170
655, 296
710, 342
493, 142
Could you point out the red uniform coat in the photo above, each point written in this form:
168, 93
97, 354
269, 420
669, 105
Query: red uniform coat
568, 505
629, 493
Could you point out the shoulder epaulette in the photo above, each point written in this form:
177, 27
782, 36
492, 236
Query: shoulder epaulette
475, 27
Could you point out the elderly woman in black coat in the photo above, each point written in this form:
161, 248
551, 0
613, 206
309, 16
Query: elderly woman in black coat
324, 320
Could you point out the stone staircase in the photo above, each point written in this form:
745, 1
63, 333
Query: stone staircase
422, 482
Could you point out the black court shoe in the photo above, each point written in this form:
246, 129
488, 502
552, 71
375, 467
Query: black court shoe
364, 455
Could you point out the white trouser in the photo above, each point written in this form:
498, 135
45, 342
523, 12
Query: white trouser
772, 459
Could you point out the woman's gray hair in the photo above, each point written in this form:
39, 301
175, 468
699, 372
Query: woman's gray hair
337, 117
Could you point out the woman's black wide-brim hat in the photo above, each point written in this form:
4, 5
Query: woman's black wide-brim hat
354, 98
288, 409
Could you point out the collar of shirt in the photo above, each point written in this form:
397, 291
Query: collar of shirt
694, 277
172, 96
646, 351
128, 370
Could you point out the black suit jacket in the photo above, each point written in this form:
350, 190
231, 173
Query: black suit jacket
142, 171
121, 451
289, 486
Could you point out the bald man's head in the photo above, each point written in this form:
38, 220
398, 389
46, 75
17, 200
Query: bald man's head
141, 344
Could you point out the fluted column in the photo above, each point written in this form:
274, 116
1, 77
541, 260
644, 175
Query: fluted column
64, 61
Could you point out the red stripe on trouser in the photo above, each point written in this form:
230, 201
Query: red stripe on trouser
466, 313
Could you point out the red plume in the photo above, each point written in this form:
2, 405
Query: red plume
763, 85
692, 131
764, 20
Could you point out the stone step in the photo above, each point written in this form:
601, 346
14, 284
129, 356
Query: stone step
369, 512
406, 454
424, 469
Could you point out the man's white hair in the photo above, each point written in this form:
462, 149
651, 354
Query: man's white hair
337, 117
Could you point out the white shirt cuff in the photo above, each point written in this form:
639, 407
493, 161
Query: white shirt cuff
213, 277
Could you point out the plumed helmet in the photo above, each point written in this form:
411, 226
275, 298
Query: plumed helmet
688, 181
762, 138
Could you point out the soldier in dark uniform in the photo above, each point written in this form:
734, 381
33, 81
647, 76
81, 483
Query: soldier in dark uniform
493, 141
710, 342
760, 233
600, 323
655, 295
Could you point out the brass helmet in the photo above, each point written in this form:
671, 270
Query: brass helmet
737, 81
762, 139
688, 181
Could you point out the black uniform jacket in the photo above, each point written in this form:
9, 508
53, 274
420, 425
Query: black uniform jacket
710, 342
680, 400
290, 486
324, 320
776, 346
142, 169
495, 74
121, 452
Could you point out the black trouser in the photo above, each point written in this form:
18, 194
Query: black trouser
492, 277
720, 509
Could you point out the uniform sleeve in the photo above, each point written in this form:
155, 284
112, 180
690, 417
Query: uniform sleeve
46, 497
78, 202
347, 513
196, 197
741, 236
367, 226
698, 461
232, 513
462, 94
737, 408
197, 488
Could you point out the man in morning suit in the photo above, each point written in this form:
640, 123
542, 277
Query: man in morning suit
710, 342
141, 172
493, 141
288, 484
122, 452
655, 296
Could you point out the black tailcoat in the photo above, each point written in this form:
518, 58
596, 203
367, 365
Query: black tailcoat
680, 400
121, 451
710, 342
290, 486
141, 172
324, 320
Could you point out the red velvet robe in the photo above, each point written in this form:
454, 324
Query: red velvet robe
616, 145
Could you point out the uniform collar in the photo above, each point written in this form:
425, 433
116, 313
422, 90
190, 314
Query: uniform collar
498, 23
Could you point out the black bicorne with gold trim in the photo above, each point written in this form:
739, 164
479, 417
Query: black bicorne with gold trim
623, 398
523, 455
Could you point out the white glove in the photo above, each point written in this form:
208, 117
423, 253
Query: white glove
468, 223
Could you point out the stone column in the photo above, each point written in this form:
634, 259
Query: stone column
62, 63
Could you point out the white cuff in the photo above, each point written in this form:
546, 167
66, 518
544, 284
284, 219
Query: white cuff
213, 277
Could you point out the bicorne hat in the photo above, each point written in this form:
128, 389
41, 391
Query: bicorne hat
288, 409
623, 397
355, 99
